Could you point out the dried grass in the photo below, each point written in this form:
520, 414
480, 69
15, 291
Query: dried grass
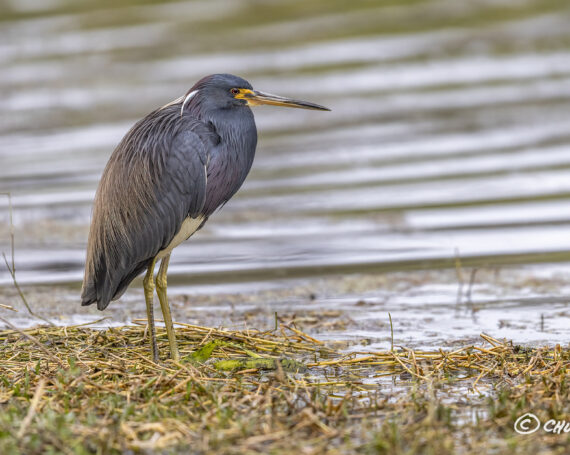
81, 390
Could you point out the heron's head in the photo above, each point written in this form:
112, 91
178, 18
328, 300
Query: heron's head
226, 91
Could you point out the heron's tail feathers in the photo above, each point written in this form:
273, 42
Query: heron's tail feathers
89, 297
101, 286
96, 288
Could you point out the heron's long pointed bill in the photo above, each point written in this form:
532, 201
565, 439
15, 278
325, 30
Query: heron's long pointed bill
255, 98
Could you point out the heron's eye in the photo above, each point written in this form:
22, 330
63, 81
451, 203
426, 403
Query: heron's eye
234, 91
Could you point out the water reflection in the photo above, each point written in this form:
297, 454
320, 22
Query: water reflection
450, 132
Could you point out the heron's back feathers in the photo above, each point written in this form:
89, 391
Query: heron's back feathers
154, 180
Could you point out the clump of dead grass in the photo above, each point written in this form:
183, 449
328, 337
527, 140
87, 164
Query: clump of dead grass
81, 390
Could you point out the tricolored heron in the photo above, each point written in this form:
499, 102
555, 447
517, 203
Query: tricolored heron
170, 172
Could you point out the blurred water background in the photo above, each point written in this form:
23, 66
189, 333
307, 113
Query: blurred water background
449, 135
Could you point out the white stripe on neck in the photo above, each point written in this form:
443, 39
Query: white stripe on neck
188, 98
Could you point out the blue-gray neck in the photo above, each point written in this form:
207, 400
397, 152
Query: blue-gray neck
231, 160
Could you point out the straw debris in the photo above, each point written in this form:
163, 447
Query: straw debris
278, 391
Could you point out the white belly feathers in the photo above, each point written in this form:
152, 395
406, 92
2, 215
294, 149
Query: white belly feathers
189, 226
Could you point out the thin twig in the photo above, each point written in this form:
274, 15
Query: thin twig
391, 334
8, 307
11, 219
35, 341
459, 272
12, 269
21, 293
33, 408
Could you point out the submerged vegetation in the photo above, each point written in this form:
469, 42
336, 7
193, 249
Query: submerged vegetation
81, 390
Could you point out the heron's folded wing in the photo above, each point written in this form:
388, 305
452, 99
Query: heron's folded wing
182, 190
164, 182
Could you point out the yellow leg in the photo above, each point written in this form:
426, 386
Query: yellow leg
161, 284
148, 284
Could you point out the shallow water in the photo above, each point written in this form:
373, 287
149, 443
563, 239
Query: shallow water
449, 135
